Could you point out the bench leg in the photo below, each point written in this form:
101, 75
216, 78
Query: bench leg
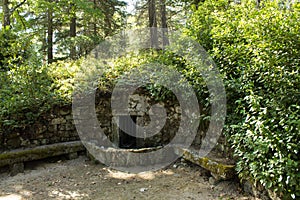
73, 155
16, 168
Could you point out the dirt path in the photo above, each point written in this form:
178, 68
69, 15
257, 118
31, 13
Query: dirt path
81, 179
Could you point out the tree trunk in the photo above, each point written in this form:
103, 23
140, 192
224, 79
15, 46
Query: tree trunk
50, 35
44, 47
95, 24
152, 23
73, 33
6, 14
258, 3
95, 30
164, 22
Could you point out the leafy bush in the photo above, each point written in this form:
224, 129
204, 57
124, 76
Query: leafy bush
13, 50
257, 51
168, 59
24, 90
28, 90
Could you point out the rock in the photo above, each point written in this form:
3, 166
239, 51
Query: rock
72, 155
44, 141
64, 111
16, 168
143, 189
41, 129
273, 195
69, 117
213, 181
177, 109
258, 191
219, 170
70, 127
14, 142
247, 187
52, 128
58, 121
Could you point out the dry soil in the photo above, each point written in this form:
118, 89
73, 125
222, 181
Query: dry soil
82, 179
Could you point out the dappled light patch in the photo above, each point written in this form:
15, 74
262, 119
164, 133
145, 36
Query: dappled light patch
66, 194
79, 179
149, 175
119, 174
11, 197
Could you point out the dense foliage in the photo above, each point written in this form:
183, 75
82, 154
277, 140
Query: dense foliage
257, 51
34, 34
27, 91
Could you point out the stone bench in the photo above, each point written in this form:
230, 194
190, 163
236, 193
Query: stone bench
15, 158
219, 169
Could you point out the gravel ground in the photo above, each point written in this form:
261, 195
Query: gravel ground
82, 179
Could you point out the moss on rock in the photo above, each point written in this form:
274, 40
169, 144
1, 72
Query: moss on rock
218, 169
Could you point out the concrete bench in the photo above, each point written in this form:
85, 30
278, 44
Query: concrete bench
218, 168
15, 158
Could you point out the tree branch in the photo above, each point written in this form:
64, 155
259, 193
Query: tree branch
18, 6
22, 21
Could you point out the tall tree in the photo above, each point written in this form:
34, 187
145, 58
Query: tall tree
61, 29
152, 23
50, 33
155, 14
7, 12
164, 24
13, 46
73, 30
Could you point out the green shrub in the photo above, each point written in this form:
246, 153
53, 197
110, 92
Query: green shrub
28, 90
257, 52
24, 90
123, 65
13, 50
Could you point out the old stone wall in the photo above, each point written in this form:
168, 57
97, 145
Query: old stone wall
58, 125
52, 127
